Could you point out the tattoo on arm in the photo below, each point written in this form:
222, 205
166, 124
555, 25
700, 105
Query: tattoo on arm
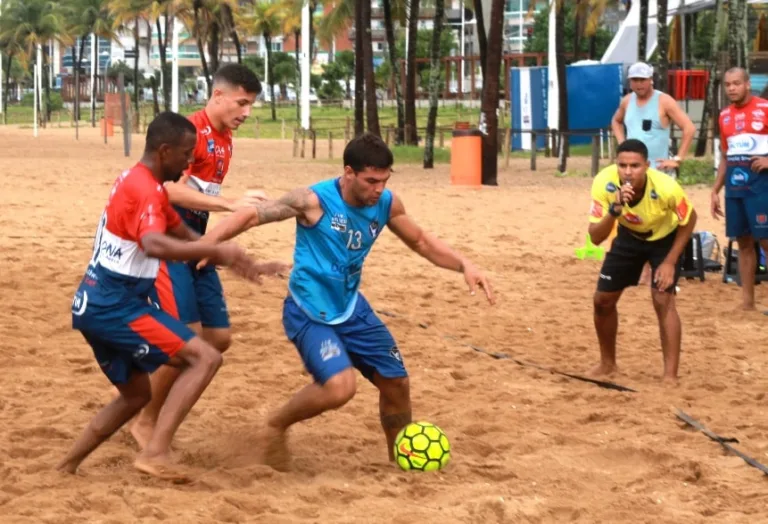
396, 420
289, 205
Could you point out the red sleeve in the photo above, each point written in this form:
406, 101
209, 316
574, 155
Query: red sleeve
723, 139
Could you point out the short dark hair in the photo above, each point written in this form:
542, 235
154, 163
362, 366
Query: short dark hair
238, 75
367, 150
167, 128
744, 72
633, 145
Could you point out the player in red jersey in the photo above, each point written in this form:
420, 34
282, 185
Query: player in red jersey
196, 296
744, 173
129, 336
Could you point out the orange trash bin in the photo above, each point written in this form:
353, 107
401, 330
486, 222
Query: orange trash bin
110, 129
466, 156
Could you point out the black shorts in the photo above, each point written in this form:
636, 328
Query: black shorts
624, 263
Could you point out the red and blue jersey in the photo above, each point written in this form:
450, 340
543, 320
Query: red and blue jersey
213, 153
744, 135
119, 269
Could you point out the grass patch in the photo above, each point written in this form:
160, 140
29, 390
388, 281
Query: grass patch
415, 155
697, 171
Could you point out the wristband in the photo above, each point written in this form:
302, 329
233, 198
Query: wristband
614, 213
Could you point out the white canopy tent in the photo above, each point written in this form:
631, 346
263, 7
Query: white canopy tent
623, 47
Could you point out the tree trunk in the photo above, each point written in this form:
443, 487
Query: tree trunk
359, 72
201, 47
78, 61
161, 44
155, 103
7, 87
410, 76
488, 119
312, 50
592, 47
94, 90
296, 36
482, 39
136, 74
662, 48
563, 150
270, 68
214, 38
47, 84
371, 104
394, 62
434, 86
734, 39
711, 106
578, 23
642, 31
230, 21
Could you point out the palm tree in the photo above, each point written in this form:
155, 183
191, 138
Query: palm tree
371, 104
10, 44
562, 87
642, 31
662, 48
394, 62
482, 38
359, 69
410, 76
263, 20
434, 85
711, 105
290, 13
129, 14
28, 24
490, 105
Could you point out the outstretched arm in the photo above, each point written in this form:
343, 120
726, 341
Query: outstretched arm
434, 249
180, 194
293, 204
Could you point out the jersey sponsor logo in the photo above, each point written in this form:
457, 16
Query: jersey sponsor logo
682, 209
596, 209
373, 228
758, 113
757, 126
206, 131
79, 303
339, 223
218, 150
329, 349
739, 126
761, 218
727, 120
611, 187
211, 145
632, 218
740, 116
746, 144
739, 177
654, 195
395, 353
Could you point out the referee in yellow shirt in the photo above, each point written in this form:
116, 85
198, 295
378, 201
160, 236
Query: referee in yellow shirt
656, 220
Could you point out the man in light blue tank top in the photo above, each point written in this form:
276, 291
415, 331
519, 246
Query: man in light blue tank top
647, 113
324, 315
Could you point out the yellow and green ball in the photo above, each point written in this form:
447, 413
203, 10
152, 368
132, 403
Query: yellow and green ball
422, 446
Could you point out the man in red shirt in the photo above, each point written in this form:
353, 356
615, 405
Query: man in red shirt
744, 173
130, 337
195, 296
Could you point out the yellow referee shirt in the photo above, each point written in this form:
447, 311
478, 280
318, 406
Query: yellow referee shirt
663, 207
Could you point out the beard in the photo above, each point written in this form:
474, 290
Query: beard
176, 177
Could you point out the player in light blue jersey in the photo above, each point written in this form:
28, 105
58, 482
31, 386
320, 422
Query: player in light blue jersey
324, 314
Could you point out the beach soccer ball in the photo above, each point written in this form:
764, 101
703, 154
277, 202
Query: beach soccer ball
422, 446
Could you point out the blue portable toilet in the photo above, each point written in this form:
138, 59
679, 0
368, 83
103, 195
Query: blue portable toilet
594, 94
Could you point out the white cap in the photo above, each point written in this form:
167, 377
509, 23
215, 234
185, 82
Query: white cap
640, 70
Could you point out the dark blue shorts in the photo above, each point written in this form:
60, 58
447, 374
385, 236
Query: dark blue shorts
747, 216
362, 341
131, 336
191, 295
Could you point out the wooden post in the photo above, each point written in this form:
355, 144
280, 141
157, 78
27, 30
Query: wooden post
595, 154
314, 143
611, 150
547, 152
59, 117
507, 143
347, 128
282, 128
257, 127
442, 138
534, 150
330, 144
388, 136
295, 143
303, 139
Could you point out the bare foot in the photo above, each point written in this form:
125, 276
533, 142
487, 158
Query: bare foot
162, 468
142, 431
276, 454
670, 381
602, 370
